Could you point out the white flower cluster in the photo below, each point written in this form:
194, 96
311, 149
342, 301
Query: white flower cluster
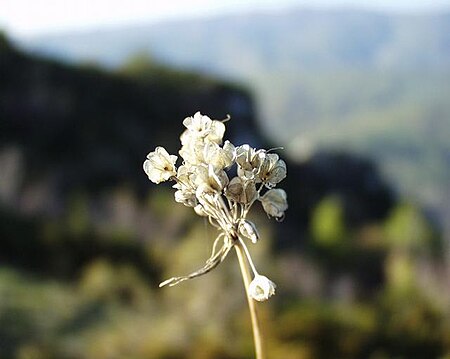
202, 182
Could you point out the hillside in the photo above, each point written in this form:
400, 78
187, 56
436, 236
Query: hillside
67, 130
375, 83
401, 119
57, 114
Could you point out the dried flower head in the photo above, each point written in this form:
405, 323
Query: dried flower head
202, 182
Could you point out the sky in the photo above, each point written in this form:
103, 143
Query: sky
25, 18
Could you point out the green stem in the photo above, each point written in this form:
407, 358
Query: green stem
246, 276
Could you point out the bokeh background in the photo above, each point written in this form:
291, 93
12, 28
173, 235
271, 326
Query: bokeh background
358, 94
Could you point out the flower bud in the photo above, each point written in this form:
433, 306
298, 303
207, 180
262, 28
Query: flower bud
261, 288
248, 230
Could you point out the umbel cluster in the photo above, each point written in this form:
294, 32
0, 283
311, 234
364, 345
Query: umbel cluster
203, 182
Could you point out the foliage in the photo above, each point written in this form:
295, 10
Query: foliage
327, 224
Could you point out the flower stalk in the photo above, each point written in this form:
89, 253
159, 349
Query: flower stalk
247, 278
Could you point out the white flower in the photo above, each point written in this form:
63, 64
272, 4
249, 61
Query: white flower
202, 128
198, 126
247, 157
261, 288
217, 156
249, 162
159, 165
274, 202
272, 170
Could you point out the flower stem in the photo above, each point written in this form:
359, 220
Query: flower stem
246, 276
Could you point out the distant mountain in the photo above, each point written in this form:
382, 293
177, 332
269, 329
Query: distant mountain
290, 40
371, 82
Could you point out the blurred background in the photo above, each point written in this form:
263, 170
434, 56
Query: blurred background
358, 94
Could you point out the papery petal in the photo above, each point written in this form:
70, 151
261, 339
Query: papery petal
216, 132
250, 192
272, 171
278, 173
235, 189
229, 153
267, 165
274, 202
244, 154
